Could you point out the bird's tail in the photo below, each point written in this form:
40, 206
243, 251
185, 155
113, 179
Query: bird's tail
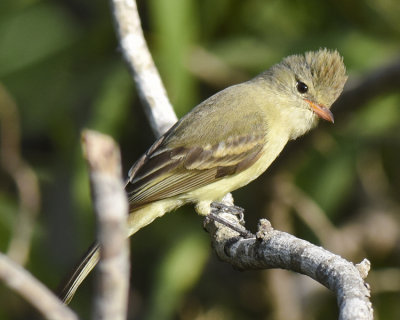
86, 264
139, 217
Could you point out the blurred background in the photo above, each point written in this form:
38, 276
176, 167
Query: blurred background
61, 71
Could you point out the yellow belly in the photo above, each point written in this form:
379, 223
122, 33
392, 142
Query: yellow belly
217, 190
203, 196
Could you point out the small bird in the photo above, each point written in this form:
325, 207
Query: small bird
227, 141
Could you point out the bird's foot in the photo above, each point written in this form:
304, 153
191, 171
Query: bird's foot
235, 210
232, 209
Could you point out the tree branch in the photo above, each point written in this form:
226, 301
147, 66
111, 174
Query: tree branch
275, 249
136, 53
111, 208
358, 92
24, 178
21, 281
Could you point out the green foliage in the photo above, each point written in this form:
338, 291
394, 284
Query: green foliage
175, 24
177, 273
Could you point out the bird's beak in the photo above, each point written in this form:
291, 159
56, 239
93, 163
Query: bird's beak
321, 111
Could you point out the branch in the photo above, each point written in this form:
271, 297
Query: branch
275, 249
24, 178
111, 207
136, 53
21, 281
358, 92
308, 211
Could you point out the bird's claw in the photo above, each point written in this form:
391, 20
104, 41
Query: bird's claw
213, 216
232, 209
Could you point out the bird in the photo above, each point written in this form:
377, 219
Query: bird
226, 141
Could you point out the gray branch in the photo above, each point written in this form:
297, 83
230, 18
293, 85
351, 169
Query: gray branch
136, 53
275, 249
21, 281
111, 208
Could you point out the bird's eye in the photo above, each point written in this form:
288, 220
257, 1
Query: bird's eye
301, 87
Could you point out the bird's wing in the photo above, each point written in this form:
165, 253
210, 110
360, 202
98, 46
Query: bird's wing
172, 172
178, 163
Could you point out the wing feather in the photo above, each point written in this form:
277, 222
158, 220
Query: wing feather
171, 172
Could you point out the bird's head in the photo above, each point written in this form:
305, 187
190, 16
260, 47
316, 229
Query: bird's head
305, 87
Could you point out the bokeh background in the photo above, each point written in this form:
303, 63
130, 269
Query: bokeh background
61, 71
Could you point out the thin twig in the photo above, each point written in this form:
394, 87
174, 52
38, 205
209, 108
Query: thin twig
136, 53
307, 209
21, 281
377, 82
24, 177
276, 249
111, 208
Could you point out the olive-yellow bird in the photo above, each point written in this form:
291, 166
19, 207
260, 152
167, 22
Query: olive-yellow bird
227, 141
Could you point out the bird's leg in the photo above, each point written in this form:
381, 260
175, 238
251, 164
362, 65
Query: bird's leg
232, 209
221, 207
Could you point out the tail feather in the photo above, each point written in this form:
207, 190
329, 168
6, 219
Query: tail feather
141, 217
86, 264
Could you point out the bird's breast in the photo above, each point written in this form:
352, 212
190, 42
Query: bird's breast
217, 190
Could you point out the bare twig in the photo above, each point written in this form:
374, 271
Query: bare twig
307, 210
24, 177
283, 295
358, 92
137, 55
21, 281
111, 207
212, 69
275, 249
312, 215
